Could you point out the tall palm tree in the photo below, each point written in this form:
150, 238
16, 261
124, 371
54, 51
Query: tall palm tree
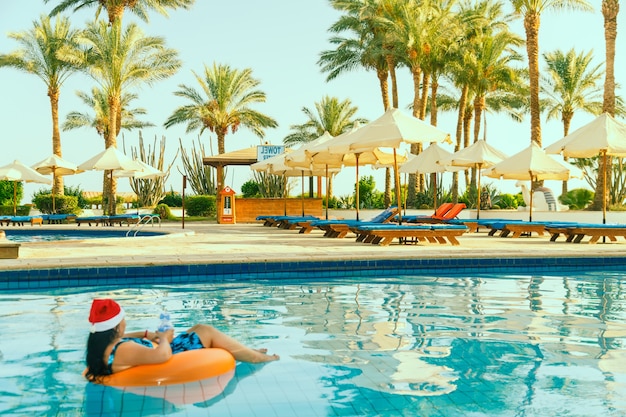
223, 104
115, 8
372, 46
531, 10
119, 60
610, 10
98, 102
38, 56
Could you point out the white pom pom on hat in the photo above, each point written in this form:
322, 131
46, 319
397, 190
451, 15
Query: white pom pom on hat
105, 314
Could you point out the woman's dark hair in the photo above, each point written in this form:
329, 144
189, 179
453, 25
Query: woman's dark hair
96, 344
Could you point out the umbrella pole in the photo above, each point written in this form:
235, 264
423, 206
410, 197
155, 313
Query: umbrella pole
397, 181
357, 186
327, 193
530, 216
285, 193
479, 191
435, 192
54, 177
302, 196
604, 186
15, 198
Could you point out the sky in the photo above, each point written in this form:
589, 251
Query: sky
280, 40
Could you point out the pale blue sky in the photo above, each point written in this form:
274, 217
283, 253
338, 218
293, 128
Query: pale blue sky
280, 40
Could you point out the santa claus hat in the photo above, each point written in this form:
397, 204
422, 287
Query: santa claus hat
105, 314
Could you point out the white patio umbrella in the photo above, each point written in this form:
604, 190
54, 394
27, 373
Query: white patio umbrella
603, 136
479, 155
17, 172
534, 164
391, 130
56, 166
426, 163
148, 172
276, 165
111, 160
300, 158
337, 152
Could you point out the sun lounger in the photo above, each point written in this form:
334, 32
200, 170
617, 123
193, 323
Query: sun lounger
275, 221
340, 228
384, 234
448, 216
123, 218
96, 220
517, 229
20, 220
58, 218
576, 232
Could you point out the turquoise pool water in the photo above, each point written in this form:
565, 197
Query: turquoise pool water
475, 346
48, 235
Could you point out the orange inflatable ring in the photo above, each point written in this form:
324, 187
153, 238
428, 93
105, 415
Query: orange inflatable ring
192, 365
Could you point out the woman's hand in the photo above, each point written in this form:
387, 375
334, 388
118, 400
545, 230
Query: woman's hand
166, 335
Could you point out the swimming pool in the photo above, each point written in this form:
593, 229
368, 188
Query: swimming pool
506, 345
49, 235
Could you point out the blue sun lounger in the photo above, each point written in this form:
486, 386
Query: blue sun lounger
576, 232
340, 228
384, 234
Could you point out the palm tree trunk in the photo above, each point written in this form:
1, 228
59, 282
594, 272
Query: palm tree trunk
53, 93
391, 66
416, 72
459, 136
384, 90
111, 140
467, 126
567, 119
383, 82
531, 26
610, 10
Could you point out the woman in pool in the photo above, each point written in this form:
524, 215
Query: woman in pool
110, 349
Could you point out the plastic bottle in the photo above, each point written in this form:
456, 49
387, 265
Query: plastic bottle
165, 323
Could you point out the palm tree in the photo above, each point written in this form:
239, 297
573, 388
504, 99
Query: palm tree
571, 84
119, 60
371, 49
223, 104
531, 10
115, 8
38, 56
98, 101
331, 116
610, 10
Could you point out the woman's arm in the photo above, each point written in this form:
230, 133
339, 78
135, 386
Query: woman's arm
131, 354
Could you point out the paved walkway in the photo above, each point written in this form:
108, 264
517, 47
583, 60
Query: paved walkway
202, 242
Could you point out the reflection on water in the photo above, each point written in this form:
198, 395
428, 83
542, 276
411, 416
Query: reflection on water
516, 345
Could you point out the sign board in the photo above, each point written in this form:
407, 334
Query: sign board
264, 152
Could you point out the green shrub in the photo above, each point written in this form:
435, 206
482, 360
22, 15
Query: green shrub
172, 199
163, 211
250, 189
6, 192
7, 210
577, 199
200, 205
506, 201
64, 204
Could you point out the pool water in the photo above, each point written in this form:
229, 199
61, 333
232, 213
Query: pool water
48, 235
405, 346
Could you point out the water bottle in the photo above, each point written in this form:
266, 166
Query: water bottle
165, 323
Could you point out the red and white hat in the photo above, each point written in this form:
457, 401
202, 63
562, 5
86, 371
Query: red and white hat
105, 314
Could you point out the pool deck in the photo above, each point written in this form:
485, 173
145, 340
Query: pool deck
208, 242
